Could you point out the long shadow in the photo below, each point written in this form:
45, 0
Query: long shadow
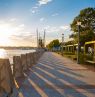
51, 92
58, 83
53, 61
26, 89
68, 70
65, 69
67, 78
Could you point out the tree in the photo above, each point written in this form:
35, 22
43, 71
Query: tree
53, 43
71, 42
87, 30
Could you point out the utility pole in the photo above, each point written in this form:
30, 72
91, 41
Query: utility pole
39, 41
37, 38
62, 42
44, 37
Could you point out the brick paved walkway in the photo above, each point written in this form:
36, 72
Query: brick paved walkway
55, 76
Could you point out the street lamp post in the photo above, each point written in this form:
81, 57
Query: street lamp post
62, 42
78, 49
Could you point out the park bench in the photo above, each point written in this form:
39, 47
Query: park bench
89, 61
74, 57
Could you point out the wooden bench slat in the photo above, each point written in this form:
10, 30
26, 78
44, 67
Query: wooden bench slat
90, 61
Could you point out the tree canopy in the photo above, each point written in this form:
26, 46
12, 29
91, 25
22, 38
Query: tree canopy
87, 30
53, 43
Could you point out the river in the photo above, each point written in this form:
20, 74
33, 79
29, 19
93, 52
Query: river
10, 53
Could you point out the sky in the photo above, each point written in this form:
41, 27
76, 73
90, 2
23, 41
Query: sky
19, 20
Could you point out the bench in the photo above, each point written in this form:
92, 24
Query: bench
74, 58
89, 61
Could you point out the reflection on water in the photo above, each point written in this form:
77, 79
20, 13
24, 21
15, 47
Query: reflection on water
10, 53
3, 53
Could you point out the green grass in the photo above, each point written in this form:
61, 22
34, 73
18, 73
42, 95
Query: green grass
82, 57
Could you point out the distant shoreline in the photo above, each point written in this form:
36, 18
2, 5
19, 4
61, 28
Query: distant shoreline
18, 48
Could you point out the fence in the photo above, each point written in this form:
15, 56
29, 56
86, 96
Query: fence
8, 75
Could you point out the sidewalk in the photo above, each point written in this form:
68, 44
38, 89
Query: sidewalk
56, 76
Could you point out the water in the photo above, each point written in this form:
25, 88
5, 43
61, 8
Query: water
10, 53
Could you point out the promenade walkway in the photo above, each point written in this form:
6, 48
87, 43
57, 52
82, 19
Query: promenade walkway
55, 76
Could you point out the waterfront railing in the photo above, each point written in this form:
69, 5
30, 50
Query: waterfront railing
8, 75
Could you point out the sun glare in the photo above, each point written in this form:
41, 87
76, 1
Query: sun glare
4, 41
2, 53
6, 30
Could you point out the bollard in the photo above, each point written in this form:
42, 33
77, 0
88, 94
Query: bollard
28, 59
23, 62
36, 57
39, 54
17, 67
34, 60
31, 58
6, 78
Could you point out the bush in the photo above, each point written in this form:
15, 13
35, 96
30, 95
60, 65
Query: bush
81, 58
69, 53
89, 57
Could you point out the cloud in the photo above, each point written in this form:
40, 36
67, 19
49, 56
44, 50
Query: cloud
22, 25
9, 29
55, 14
16, 34
13, 19
42, 19
55, 32
47, 27
34, 9
44, 2
65, 27
25, 39
53, 29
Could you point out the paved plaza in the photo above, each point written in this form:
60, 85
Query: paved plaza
56, 76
